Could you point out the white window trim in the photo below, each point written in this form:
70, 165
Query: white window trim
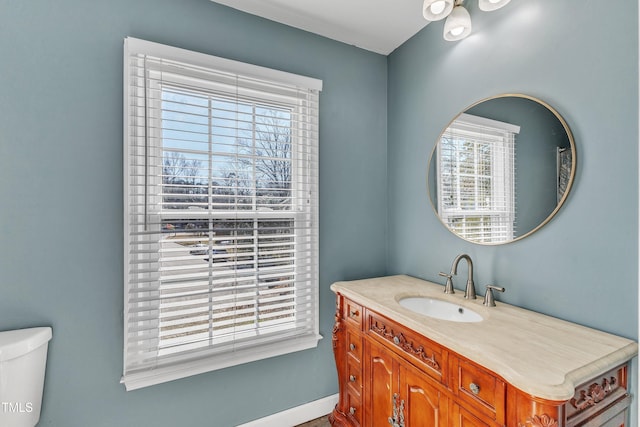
201, 365
500, 127
185, 365
222, 64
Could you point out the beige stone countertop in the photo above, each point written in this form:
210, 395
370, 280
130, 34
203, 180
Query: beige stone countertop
541, 355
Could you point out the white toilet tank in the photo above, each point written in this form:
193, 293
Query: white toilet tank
23, 358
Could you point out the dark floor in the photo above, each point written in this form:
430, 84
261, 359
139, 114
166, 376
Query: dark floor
318, 422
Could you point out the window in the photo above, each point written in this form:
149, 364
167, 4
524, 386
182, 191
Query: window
221, 213
476, 179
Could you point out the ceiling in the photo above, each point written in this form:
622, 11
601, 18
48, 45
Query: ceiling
376, 25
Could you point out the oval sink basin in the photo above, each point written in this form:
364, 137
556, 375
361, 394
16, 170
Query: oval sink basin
439, 309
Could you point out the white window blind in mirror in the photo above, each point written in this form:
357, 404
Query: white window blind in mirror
476, 178
221, 213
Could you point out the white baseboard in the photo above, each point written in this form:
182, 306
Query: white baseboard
298, 415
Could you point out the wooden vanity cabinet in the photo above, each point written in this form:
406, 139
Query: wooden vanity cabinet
347, 349
391, 375
399, 393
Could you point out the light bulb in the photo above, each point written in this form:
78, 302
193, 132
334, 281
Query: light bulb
435, 10
456, 31
438, 6
458, 24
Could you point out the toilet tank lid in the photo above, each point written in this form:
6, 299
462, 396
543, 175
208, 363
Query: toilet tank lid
21, 341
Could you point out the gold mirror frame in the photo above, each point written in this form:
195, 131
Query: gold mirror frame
559, 204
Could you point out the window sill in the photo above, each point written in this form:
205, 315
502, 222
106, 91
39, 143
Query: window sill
136, 380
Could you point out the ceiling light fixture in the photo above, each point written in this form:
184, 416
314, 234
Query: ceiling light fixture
458, 23
435, 10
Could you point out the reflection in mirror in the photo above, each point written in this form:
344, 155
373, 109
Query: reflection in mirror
501, 169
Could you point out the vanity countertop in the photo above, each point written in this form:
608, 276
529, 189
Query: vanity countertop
540, 355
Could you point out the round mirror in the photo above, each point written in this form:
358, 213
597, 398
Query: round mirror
501, 169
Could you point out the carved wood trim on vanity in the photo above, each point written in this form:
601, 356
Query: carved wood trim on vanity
543, 420
337, 326
400, 340
589, 395
338, 417
593, 397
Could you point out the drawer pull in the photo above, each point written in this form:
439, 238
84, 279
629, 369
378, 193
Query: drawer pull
353, 313
475, 388
396, 340
352, 346
352, 378
352, 410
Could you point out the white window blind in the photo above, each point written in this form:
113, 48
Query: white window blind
476, 179
221, 213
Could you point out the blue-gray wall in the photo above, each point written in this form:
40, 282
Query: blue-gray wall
61, 256
61, 184
582, 59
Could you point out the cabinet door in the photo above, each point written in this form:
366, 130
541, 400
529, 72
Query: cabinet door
424, 404
380, 384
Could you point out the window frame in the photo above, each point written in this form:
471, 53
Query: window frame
190, 363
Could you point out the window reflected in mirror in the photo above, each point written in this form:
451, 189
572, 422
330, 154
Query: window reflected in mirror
476, 165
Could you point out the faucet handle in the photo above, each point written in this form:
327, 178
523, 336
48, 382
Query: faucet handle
448, 287
489, 301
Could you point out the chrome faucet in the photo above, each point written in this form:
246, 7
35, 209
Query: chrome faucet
470, 290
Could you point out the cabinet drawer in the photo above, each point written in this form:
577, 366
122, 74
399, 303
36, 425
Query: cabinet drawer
354, 376
423, 352
352, 313
462, 418
354, 408
482, 390
354, 344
